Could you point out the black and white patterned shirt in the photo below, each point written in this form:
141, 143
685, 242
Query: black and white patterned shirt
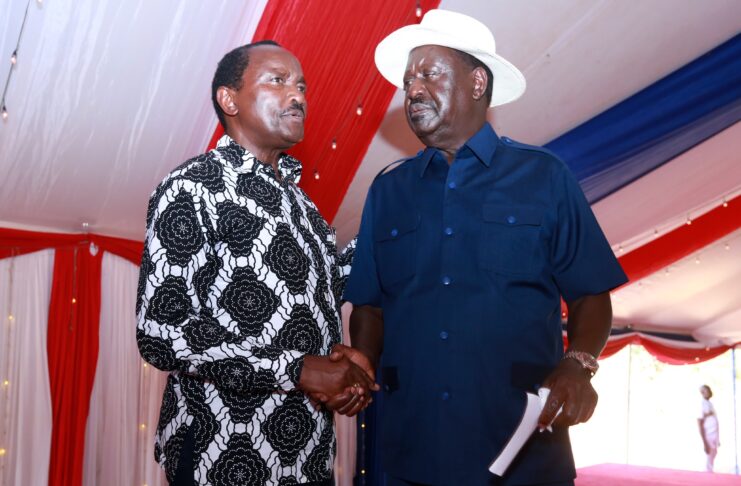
240, 278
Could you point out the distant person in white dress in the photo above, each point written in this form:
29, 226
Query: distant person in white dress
708, 422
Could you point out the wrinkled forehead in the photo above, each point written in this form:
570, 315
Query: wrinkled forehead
432, 54
268, 57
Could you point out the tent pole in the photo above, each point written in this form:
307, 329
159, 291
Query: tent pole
735, 425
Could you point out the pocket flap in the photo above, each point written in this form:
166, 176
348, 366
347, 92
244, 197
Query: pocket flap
513, 215
393, 228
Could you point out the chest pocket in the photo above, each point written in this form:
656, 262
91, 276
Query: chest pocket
395, 241
510, 239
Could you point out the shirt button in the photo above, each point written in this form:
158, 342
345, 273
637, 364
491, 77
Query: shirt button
448, 231
511, 219
445, 396
447, 280
443, 335
395, 231
451, 185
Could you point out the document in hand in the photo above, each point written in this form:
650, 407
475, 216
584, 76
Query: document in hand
528, 424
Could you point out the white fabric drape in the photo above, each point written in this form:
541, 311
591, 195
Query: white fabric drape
25, 399
126, 395
344, 468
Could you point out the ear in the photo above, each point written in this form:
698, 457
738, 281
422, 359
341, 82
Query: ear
480, 80
225, 97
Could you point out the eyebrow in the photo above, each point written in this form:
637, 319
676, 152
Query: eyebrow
280, 69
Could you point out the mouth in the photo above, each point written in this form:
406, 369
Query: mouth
294, 113
418, 110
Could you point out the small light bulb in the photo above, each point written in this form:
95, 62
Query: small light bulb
5, 113
656, 233
334, 144
74, 301
418, 12
145, 365
620, 249
14, 58
725, 203
362, 426
362, 471
2, 452
697, 260
6, 382
727, 246
359, 111
689, 221
143, 426
316, 175
10, 317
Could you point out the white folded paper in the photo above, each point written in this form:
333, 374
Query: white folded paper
528, 424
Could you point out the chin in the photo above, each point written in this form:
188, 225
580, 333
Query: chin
423, 130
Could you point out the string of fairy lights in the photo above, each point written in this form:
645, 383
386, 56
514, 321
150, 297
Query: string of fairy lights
676, 222
9, 356
14, 61
358, 111
362, 466
5, 386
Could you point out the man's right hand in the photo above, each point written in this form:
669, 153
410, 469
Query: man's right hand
326, 376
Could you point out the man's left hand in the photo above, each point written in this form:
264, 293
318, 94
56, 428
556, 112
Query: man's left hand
348, 402
571, 388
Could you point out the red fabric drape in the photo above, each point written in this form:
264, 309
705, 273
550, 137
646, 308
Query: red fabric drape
335, 42
72, 347
19, 242
683, 241
678, 354
72, 333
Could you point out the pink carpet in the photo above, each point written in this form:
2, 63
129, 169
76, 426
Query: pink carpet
622, 475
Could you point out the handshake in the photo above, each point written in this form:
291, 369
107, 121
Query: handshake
340, 382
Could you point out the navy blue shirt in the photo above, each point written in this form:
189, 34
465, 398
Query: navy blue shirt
469, 262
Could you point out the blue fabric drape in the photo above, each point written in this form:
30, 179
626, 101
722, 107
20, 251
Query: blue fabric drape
656, 124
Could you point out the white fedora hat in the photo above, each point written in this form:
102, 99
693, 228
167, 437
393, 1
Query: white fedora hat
457, 31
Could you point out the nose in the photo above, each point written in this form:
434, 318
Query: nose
414, 88
296, 94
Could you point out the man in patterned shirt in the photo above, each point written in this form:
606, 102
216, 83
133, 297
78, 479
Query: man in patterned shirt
239, 295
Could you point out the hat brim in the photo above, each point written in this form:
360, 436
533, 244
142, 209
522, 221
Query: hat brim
392, 54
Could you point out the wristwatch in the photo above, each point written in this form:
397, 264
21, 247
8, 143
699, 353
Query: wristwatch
585, 359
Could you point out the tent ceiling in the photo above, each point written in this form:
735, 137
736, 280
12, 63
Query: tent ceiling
106, 99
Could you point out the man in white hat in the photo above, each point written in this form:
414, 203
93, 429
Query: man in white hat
463, 256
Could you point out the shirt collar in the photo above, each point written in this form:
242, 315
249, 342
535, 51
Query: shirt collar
242, 159
483, 144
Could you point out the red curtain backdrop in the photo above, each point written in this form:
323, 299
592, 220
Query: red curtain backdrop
335, 42
72, 333
72, 347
